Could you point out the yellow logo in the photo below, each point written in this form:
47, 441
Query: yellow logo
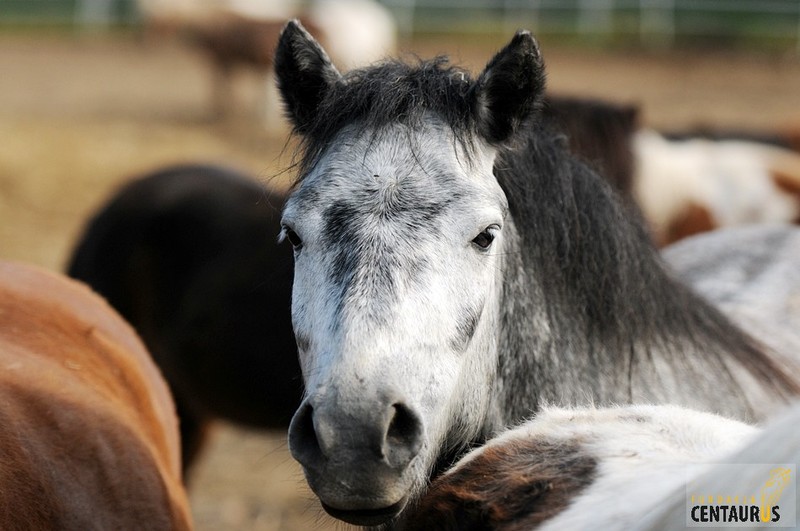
772, 490
757, 504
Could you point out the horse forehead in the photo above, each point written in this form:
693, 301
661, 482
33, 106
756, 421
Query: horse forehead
397, 171
381, 225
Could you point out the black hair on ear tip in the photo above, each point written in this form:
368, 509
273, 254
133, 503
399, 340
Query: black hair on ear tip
510, 89
304, 73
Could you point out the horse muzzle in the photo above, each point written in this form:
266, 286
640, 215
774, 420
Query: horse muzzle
356, 455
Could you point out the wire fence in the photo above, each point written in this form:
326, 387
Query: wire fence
655, 23
78, 13
661, 23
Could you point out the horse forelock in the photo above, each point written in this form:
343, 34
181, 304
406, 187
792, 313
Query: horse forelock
392, 92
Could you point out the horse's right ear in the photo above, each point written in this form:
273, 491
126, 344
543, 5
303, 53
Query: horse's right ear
304, 73
509, 89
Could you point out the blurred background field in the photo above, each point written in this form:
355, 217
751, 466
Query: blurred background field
86, 102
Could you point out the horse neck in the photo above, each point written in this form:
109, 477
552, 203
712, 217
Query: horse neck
590, 314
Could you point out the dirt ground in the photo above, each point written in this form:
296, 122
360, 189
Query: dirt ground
81, 114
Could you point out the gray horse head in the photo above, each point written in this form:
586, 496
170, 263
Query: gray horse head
399, 229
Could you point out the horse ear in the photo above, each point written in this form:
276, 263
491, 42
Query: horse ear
304, 73
510, 88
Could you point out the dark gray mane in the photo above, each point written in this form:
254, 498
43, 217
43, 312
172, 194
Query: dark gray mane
391, 92
605, 287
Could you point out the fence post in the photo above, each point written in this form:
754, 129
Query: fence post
657, 23
595, 16
798, 29
96, 13
511, 14
403, 11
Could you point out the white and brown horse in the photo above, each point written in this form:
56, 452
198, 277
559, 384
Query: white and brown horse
689, 185
616, 469
242, 34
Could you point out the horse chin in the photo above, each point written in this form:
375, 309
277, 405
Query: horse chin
367, 517
380, 503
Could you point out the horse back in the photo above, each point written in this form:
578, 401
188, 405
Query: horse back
90, 436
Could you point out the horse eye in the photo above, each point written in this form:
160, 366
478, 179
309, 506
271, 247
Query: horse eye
293, 238
484, 239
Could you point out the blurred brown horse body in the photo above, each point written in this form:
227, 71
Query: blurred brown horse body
600, 133
89, 437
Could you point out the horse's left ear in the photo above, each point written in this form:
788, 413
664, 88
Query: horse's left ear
510, 88
304, 72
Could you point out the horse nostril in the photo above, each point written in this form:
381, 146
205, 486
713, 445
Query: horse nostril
303, 442
393, 435
403, 437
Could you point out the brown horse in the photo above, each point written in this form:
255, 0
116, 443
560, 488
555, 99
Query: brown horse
89, 437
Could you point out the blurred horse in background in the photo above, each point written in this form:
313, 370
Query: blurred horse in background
689, 182
189, 256
89, 436
243, 34
687, 185
600, 132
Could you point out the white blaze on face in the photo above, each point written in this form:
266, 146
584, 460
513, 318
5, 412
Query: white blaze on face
392, 287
